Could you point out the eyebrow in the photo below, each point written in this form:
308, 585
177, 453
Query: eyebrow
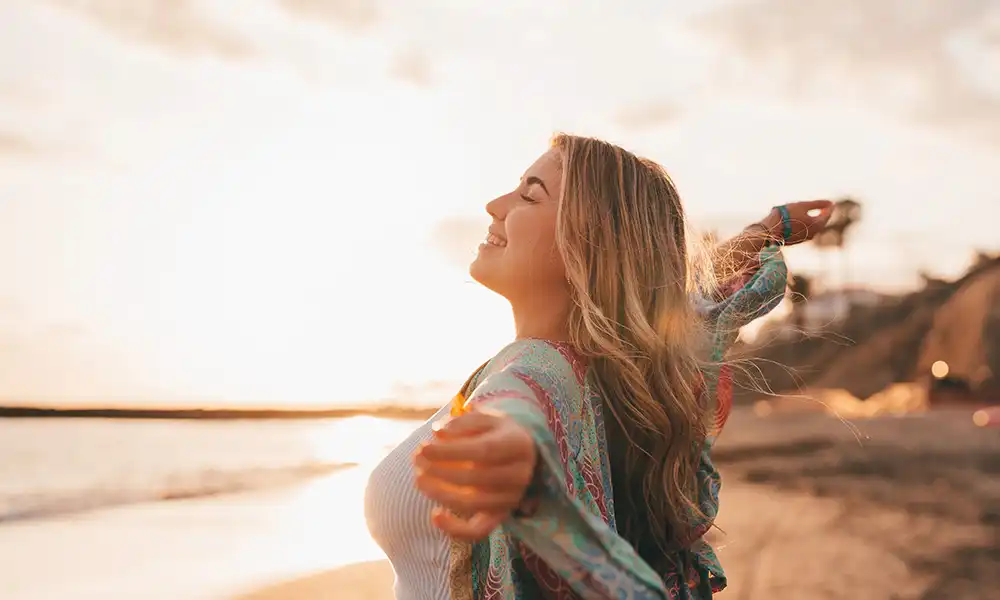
532, 179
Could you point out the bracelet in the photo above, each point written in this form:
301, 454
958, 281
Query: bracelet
786, 223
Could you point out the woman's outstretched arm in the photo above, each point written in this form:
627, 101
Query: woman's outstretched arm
526, 466
739, 253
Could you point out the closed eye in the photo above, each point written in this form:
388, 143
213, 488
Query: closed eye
527, 199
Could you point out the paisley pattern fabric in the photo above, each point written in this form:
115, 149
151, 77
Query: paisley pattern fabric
567, 545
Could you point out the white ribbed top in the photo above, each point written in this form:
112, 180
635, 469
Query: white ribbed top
399, 520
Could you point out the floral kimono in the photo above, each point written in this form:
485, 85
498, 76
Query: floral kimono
566, 545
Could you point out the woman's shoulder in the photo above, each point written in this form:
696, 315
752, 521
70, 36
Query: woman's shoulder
549, 364
542, 357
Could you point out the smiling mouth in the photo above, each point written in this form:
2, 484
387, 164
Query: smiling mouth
495, 240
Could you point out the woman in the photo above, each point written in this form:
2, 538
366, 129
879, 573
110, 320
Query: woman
576, 462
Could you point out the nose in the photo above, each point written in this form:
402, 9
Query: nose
498, 207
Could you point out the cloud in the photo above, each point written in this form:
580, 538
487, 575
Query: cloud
646, 116
174, 25
64, 332
349, 14
413, 67
40, 366
19, 95
17, 145
903, 52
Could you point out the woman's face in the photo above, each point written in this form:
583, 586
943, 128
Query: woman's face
519, 258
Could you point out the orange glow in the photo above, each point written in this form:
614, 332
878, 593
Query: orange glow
940, 369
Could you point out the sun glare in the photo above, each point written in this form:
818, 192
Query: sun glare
290, 286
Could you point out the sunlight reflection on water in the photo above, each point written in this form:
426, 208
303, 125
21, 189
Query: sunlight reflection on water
209, 546
329, 512
360, 440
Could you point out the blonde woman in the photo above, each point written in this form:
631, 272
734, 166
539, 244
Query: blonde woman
574, 464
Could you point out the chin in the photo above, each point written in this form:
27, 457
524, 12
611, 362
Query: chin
484, 274
478, 271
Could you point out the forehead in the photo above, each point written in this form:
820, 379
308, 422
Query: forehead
548, 168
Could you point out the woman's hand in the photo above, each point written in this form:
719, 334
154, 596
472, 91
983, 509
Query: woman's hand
477, 465
806, 218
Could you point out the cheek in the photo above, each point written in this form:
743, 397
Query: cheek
532, 238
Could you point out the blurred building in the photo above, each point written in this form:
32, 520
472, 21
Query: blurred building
831, 307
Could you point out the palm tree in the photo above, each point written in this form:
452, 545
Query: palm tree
846, 213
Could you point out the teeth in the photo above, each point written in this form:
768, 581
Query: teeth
495, 241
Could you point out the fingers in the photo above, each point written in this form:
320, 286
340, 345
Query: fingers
477, 463
486, 446
811, 212
808, 218
808, 205
472, 529
459, 439
469, 423
815, 223
511, 476
465, 450
469, 500
820, 220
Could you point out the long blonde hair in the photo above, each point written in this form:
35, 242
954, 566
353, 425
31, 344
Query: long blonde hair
621, 233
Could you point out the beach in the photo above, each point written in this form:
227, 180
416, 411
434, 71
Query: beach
893, 508
887, 509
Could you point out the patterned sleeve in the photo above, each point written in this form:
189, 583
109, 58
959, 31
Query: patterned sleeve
749, 296
560, 536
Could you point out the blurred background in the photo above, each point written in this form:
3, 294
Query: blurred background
233, 249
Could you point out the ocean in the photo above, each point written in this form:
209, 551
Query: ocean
55, 467
99, 509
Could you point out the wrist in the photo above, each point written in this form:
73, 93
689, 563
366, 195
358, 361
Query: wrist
764, 230
772, 224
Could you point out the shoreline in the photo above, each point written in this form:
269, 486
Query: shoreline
195, 549
217, 414
884, 509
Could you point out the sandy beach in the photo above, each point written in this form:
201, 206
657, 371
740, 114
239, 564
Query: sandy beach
896, 509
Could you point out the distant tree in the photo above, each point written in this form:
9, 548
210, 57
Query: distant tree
846, 214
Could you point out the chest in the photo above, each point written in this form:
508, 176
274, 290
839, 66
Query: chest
398, 515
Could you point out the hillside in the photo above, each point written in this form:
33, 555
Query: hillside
895, 341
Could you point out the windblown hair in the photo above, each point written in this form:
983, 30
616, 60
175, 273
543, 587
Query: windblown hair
622, 235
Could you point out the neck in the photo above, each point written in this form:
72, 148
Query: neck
543, 316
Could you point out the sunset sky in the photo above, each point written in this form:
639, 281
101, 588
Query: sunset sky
278, 205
